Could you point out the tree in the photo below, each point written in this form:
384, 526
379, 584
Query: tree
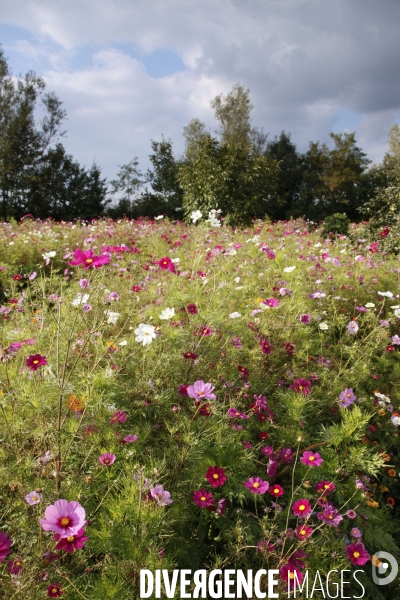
286, 201
233, 113
164, 177
126, 188
230, 177
337, 180
63, 189
194, 131
23, 142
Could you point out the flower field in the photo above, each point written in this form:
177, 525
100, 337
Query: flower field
180, 396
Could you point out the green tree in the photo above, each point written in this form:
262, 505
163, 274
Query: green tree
164, 178
193, 132
23, 140
230, 177
125, 189
233, 113
63, 189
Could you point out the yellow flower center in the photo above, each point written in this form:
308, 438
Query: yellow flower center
291, 574
311, 458
203, 498
330, 517
34, 498
89, 261
356, 554
36, 362
106, 460
256, 485
200, 393
65, 521
302, 507
70, 538
303, 532
215, 476
276, 490
54, 590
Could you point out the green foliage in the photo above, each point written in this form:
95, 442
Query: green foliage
336, 224
230, 177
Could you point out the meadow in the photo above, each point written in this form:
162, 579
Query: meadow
187, 396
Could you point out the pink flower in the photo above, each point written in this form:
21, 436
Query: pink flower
34, 361
166, 264
33, 498
119, 417
265, 345
302, 386
201, 391
256, 485
331, 516
54, 590
5, 544
325, 487
287, 573
271, 302
162, 497
215, 476
63, 517
357, 553
130, 439
15, 566
303, 532
107, 459
191, 309
72, 542
301, 508
203, 498
276, 490
88, 259
311, 459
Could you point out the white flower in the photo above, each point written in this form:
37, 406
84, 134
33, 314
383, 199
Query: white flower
370, 305
323, 326
80, 299
288, 269
317, 245
237, 279
387, 294
397, 312
112, 317
47, 255
196, 215
167, 313
145, 334
122, 343
159, 217
175, 260
235, 315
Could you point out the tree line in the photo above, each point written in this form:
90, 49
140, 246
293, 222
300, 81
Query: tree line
238, 169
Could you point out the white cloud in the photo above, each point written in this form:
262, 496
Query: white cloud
303, 60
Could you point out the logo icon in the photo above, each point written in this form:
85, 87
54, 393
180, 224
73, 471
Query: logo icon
384, 563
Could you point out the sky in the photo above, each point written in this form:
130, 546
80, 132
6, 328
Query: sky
129, 71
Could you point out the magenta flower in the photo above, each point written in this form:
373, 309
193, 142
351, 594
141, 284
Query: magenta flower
87, 259
331, 516
271, 302
265, 345
325, 487
34, 361
346, 398
233, 413
311, 459
54, 590
357, 554
256, 485
5, 546
351, 514
107, 459
287, 573
305, 319
301, 508
192, 309
166, 264
63, 517
303, 532
215, 476
130, 439
33, 498
356, 533
276, 490
15, 566
201, 391
272, 467
119, 417
286, 455
302, 386
72, 542
203, 498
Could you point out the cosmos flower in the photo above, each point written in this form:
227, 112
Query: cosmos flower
302, 386
166, 264
301, 508
276, 490
235, 315
256, 485
357, 554
303, 532
145, 334
331, 516
107, 459
33, 498
5, 546
54, 590
112, 317
311, 459
352, 327
203, 498
201, 391
87, 259
71, 542
346, 398
167, 313
162, 497
215, 476
34, 361
196, 215
323, 326
63, 517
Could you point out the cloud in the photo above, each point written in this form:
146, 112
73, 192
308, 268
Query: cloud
305, 62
